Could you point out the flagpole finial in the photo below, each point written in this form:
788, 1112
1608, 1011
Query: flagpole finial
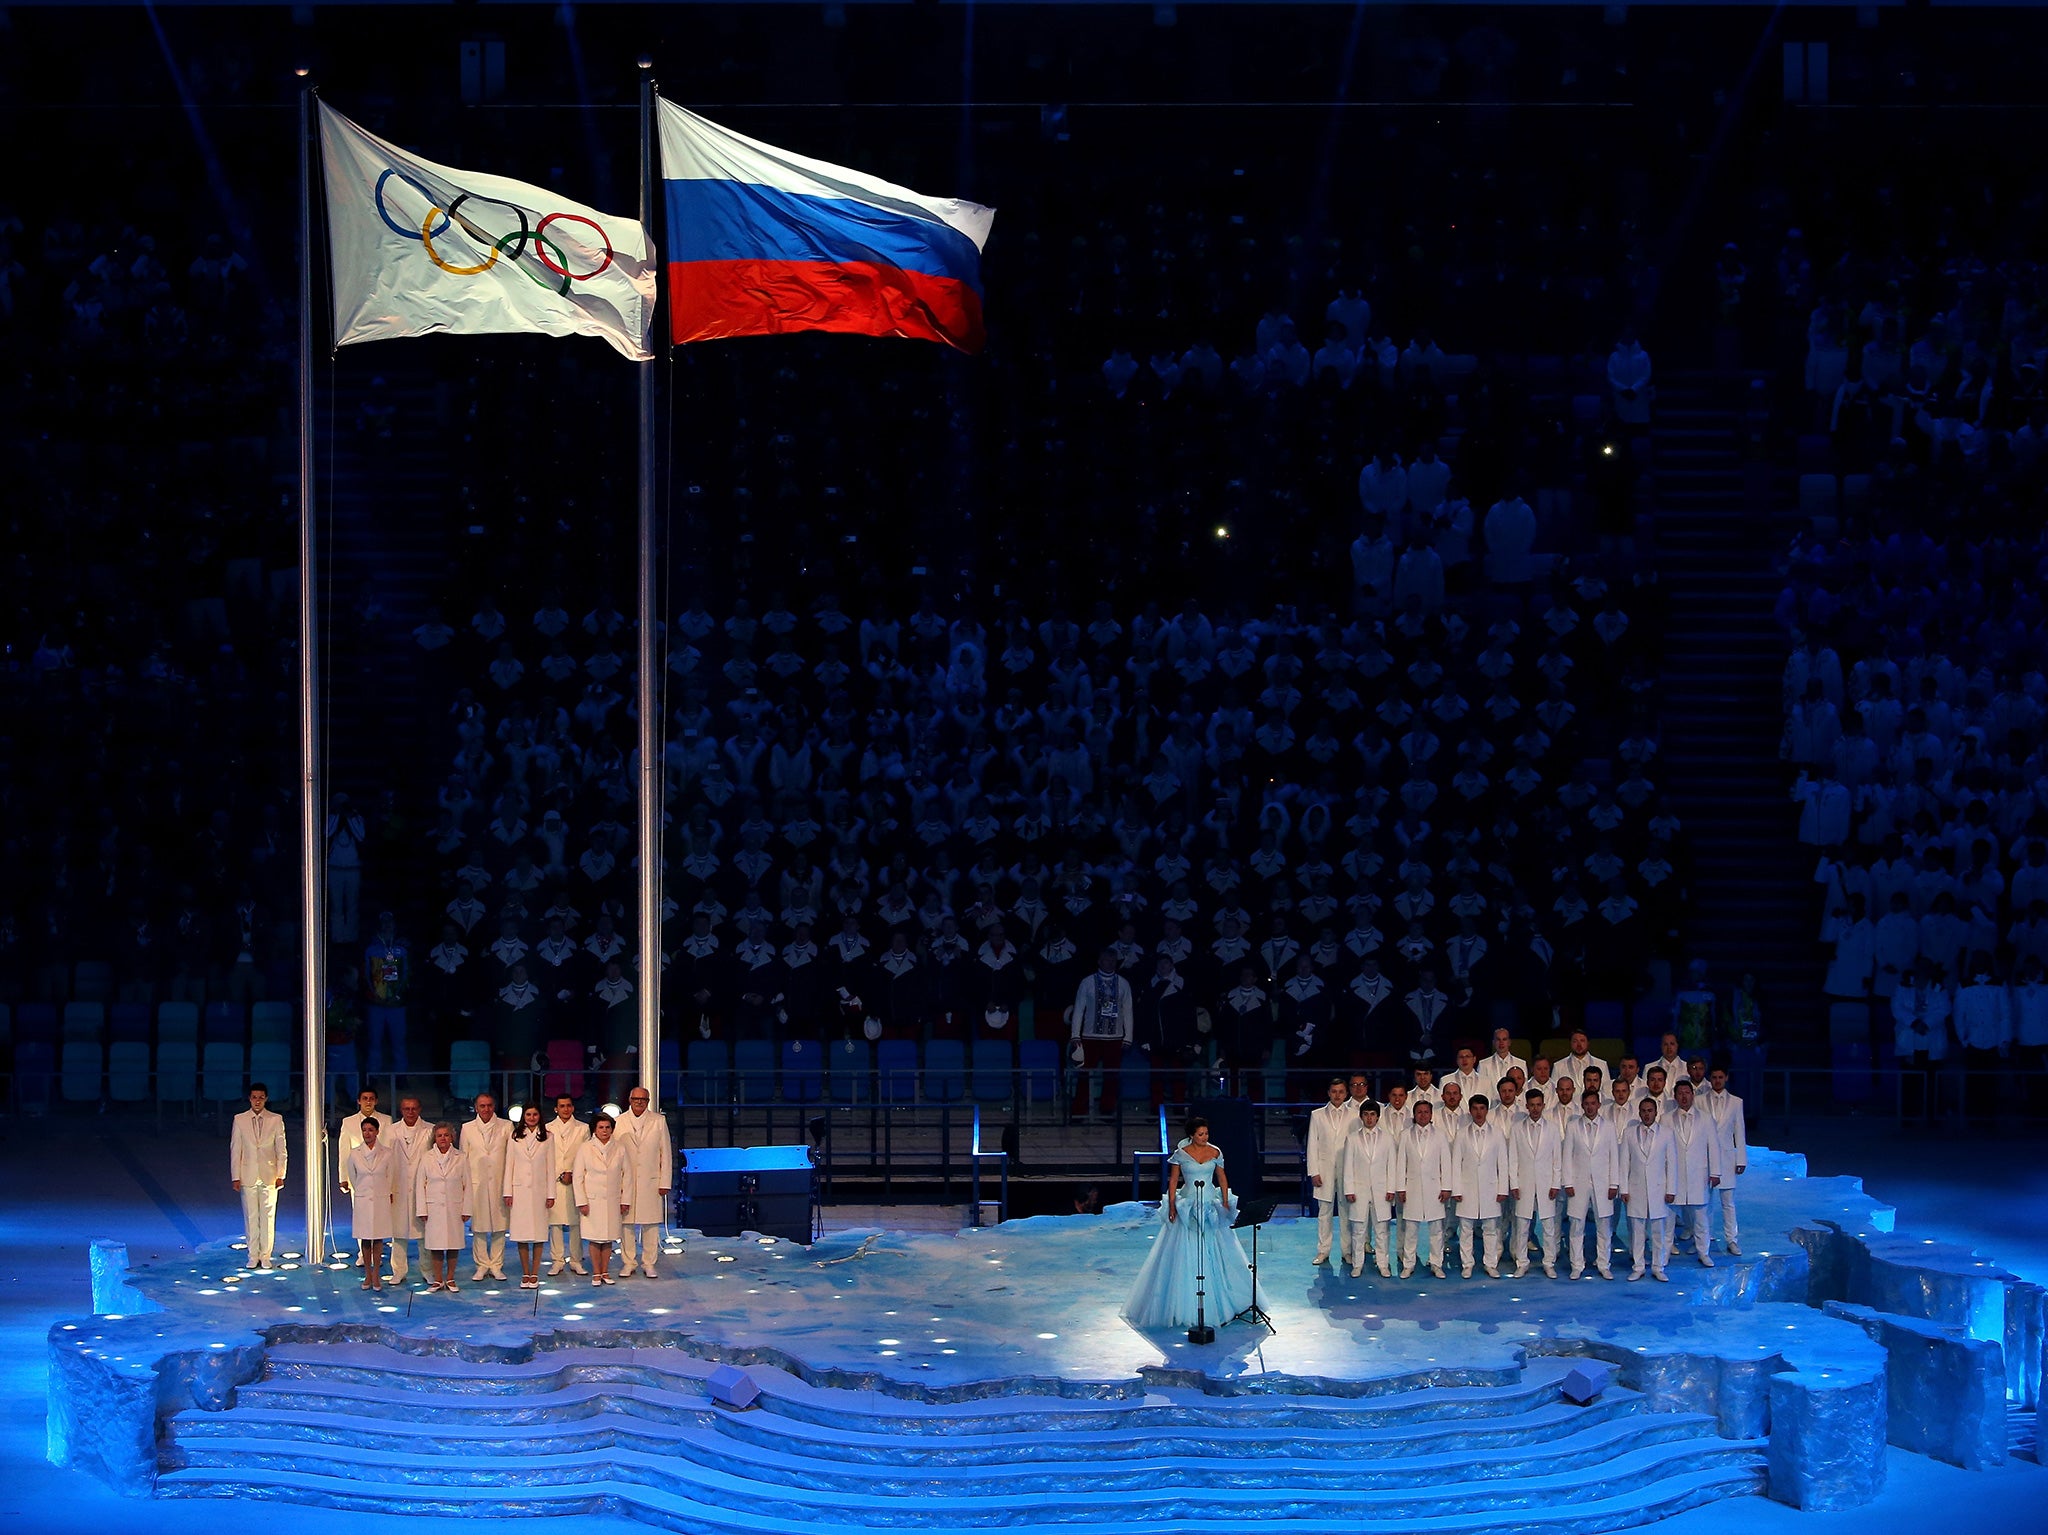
647, 61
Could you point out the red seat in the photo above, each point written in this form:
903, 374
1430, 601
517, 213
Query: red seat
564, 1070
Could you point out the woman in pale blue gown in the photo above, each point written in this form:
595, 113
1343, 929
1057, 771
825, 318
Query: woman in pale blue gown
1196, 1246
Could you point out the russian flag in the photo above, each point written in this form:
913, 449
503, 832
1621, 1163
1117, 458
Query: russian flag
762, 242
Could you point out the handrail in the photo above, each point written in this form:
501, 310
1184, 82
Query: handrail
1139, 1158
974, 1158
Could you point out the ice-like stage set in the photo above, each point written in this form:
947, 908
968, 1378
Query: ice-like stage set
985, 1379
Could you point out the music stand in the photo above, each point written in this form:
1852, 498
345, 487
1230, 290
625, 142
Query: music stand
1254, 1213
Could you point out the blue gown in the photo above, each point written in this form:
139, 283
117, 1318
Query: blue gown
1202, 1243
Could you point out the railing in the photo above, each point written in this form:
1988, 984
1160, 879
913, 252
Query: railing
1140, 1157
1002, 1161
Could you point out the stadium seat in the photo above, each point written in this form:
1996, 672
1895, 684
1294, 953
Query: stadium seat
92, 980
1134, 1077
221, 1075
83, 1071
896, 1065
36, 1023
271, 1064
271, 1023
1038, 1061
1554, 1049
225, 1023
1849, 1023
128, 1071
1851, 1078
945, 1071
990, 1079
753, 1064
669, 1069
469, 1069
35, 1068
1606, 1019
1610, 1048
177, 1021
706, 1078
849, 1064
803, 1070
6, 1024
128, 1023
564, 1073
85, 1021
1276, 1072
177, 1071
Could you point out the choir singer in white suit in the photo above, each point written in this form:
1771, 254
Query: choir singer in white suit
1696, 1140
256, 1165
1592, 1177
484, 1141
1650, 1176
650, 1169
1424, 1190
1372, 1163
1536, 1171
566, 1135
1725, 1109
1328, 1128
1479, 1177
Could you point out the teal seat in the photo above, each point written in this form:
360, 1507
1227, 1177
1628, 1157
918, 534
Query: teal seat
177, 1071
271, 1064
849, 1063
1134, 1077
128, 1071
705, 1079
85, 1021
469, 1069
989, 1080
220, 1071
753, 1062
83, 1067
270, 1023
945, 1071
177, 1021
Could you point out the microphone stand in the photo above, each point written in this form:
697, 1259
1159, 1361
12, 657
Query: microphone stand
1201, 1332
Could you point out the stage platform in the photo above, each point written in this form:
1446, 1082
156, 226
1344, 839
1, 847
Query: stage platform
940, 1381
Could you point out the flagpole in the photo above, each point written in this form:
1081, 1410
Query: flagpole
651, 806
312, 828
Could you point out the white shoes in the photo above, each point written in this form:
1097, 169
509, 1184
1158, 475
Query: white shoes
575, 1268
1705, 1261
1550, 1271
1407, 1271
554, 1269
1437, 1270
1734, 1250
1634, 1275
480, 1275
1660, 1276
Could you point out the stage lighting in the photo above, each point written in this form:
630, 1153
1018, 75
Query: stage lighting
611, 1109
1607, 450
1222, 530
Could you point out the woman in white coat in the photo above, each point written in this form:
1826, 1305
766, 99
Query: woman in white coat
372, 1170
441, 1196
529, 1189
601, 1196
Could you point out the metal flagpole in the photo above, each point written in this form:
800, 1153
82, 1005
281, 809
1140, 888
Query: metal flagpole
312, 827
649, 695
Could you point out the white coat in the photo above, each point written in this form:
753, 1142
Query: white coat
1696, 1142
441, 1195
1425, 1173
1574, 1066
1725, 1109
1469, 1082
1535, 1165
1983, 1020
1369, 1171
650, 1166
1592, 1165
1479, 1171
1328, 1129
1650, 1162
484, 1145
566, 1139
529, 1182
348, 1139
256, 1149
412, 1142
1920, 1021
601, 1184
372, 1174
1494, 1067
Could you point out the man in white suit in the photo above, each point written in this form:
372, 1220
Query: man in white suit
256, 1164
1372, 1166
1499, 1064
1328, 1128
484, 1142
1479, 1179
412, 1138
348, 1139
1696, 1140
1649, 1178
1725, 1109
1425, 1187
1535, 1173
1592, 1177
566, 1133
650, 1170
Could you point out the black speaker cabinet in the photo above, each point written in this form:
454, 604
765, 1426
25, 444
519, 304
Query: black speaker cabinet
723, 1191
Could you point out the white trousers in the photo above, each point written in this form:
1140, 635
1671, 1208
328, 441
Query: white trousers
565, 1239
1603, 1243
1658, 1229
489, 1249
1369, 1237
1519, 1244
1689, 1227
1412, 1239
647, 1239
1731, 1234
1478, 1230
401, 1262
1326, 1220
259, 1218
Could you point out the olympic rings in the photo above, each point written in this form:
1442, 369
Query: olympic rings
530, 238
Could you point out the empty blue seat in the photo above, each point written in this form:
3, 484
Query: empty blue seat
271, 1064
224, 1023
706, 1082
753, 1063
990, 1079
1038, 1060
84, 1065
177, 1021
671, 1071
1851, 1076
35, 1069
128, 1071
128, 1023
177, 1071
220, 1073
270, 1023
945, 1071
848, 1065
469, 1068
36, 1023
1611, 1019
1134, 1077
92, 980
803, 1070
85, 1020
896, 1066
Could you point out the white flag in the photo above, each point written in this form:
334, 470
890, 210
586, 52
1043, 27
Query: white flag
417, 248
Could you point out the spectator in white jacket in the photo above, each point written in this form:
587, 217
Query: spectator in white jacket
1983, 1020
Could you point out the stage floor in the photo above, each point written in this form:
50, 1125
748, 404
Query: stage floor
1032, 1300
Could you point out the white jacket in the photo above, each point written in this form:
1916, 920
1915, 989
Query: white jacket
1535, 1165
650, 1165
1328, 1128
256, 1149
1425, 1173
1920, 1021
484, 1145
1494, 1067
1479, 1171
1725, 1109
1371, 1166
1650, 1162
1591, 1165
1696, 1142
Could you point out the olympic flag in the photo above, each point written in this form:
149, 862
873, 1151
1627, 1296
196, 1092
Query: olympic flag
762, 241
417, 248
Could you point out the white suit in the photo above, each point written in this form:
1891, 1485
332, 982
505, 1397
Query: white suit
441, 1194
1494, 1067
484, 1143
1650, 1163
1371, 1163
1425, 1177
1725, 1109
372, 1174
1592, 1166
600, 1182
1535, 1168
529, 1182
1696, 1140
650, 1170
1479, 1177
564, 1224
1574, 1066
257, 1159
412, 1142
1328, 1129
